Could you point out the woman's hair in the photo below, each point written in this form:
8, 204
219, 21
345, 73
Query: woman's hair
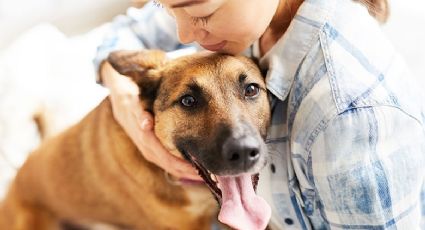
377, 8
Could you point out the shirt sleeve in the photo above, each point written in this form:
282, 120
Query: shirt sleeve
367, 169
150, 27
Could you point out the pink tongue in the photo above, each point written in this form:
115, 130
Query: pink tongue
241, 208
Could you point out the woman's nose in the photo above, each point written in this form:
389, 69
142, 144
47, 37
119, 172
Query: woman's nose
189, 33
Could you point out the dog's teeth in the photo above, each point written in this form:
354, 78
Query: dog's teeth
213, 177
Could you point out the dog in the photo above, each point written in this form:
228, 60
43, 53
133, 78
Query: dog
211, 109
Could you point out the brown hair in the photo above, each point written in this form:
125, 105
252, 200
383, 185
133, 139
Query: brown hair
377, 8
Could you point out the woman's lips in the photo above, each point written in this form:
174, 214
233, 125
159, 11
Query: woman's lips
215, 47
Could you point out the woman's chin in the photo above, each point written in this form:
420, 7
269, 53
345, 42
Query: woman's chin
232, 49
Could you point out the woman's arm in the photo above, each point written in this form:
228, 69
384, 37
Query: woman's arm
367, 169
148, 28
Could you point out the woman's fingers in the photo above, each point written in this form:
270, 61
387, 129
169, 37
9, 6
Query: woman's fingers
155, 152
138, 124
146, 121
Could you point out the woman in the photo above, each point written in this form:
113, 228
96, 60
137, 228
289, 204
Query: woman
346, 139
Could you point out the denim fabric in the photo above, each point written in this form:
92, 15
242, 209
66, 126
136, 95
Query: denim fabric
347, 130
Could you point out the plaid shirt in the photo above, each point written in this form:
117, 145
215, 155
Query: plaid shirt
347, 142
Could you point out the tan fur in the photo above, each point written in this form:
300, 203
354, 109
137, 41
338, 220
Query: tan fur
93, 172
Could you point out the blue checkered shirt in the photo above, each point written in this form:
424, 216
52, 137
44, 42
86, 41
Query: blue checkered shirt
346, 142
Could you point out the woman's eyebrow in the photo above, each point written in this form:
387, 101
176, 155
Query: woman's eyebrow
187, 3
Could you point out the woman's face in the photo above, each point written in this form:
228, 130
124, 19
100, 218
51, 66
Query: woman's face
228, 26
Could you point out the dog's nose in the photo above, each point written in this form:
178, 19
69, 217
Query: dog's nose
241, 152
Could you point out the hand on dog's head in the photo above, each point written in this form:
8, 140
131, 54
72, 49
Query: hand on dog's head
224, 126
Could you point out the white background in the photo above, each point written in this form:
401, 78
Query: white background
71, 16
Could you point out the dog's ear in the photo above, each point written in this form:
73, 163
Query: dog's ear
143, 67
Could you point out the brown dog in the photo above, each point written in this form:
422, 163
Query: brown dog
211, 109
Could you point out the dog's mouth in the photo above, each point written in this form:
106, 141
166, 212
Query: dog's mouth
240, 207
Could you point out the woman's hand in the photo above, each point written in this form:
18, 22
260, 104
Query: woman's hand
138, 124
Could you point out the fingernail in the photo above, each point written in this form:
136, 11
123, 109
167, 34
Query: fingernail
146, 124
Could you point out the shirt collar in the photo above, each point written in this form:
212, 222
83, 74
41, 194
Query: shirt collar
284, 58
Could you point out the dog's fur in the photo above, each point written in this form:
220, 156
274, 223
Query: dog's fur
93, 172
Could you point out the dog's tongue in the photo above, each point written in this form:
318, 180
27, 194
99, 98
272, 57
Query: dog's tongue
241, 208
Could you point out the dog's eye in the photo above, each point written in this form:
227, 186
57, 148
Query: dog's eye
188, 101
252, 90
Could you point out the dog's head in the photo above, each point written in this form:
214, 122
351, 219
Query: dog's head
210, 108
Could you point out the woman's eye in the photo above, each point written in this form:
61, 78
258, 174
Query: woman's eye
252, 90
188, 101
204, 20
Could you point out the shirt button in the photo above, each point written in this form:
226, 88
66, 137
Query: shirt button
273, 168
289, 221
